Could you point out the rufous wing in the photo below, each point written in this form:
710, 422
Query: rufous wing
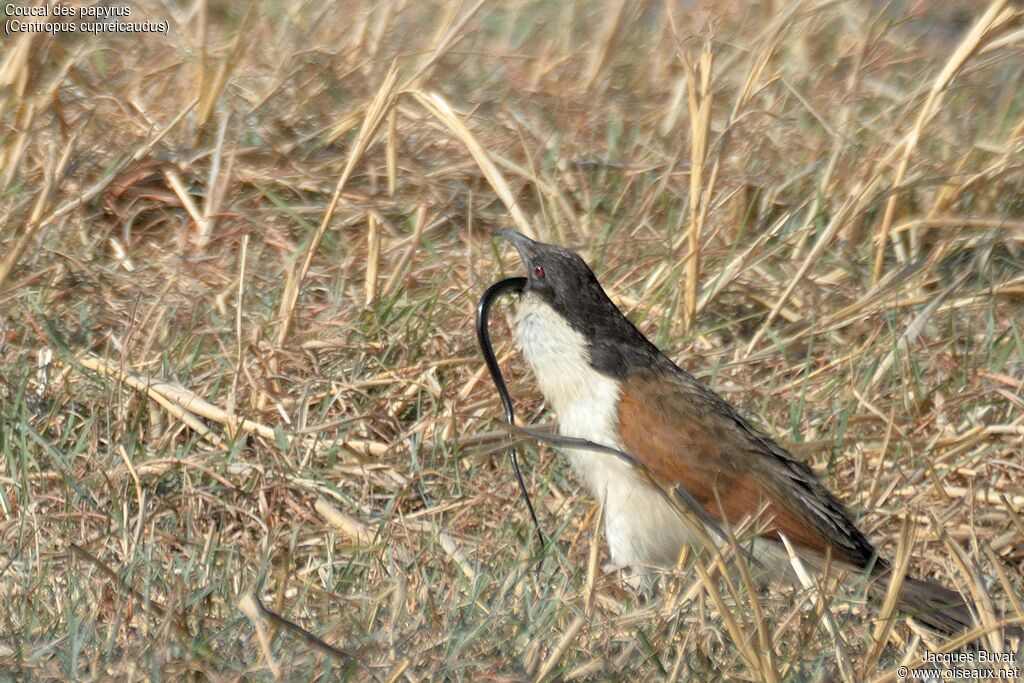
688, 436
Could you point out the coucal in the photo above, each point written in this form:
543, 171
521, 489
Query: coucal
610, 385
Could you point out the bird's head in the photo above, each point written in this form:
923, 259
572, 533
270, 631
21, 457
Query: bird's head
560, 279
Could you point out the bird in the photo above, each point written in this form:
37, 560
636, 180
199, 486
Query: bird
608, 384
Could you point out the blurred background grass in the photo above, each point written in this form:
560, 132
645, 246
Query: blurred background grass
238, 266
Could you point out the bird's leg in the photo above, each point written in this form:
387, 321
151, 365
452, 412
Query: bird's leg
641, 581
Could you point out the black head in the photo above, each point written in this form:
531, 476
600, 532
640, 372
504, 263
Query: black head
564, 281
558, 276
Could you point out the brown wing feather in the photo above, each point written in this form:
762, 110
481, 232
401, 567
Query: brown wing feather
688, 436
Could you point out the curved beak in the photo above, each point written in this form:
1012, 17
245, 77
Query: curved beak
523, 244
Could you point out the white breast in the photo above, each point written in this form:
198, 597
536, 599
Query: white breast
641, 527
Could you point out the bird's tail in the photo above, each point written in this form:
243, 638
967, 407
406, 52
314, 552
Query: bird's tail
935, 606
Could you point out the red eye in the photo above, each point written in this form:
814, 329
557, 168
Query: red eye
538, 272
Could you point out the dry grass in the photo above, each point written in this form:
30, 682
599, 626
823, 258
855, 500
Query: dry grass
239, 381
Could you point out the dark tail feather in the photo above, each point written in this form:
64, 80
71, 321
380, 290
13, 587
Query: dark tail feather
931, 604
935, 606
